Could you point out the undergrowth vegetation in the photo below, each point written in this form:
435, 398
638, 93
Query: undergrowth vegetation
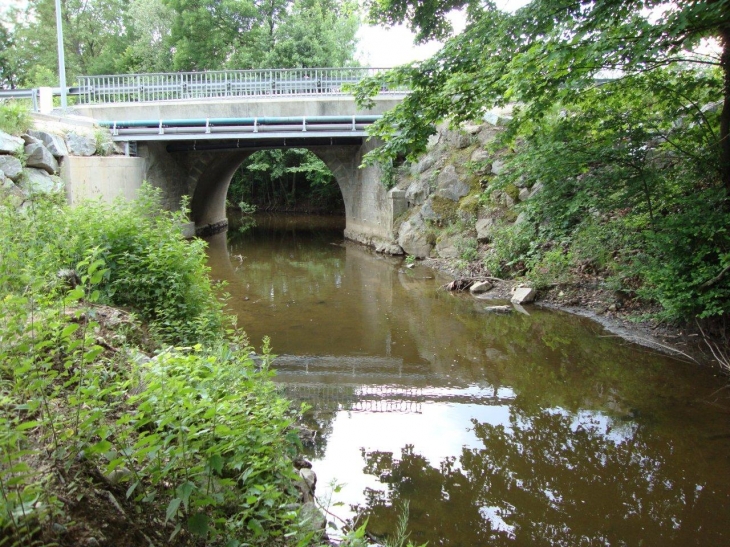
186, 443
630, 188
14, 117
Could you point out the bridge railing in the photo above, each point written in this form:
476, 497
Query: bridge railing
221, 84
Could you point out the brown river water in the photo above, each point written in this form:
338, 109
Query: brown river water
539, 429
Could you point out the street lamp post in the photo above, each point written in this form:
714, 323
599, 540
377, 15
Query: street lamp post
61, 60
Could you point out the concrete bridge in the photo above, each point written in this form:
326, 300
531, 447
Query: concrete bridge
190, 132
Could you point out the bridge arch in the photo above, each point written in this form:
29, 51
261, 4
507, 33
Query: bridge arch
211, 174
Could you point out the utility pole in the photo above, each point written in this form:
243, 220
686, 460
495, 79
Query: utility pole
61, 59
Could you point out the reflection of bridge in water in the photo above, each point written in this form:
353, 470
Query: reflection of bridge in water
376, 384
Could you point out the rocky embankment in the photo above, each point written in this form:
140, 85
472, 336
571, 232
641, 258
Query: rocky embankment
456, 207
32, 163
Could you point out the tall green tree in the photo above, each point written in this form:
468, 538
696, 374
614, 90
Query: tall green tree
548, 51
96, 34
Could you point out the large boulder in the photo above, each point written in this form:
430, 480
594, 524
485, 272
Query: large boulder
523, 295
485, 229
417, 192
80, 145
54, 143
427, 211
498, 166
447, 248
40, 157
9, 144
11, 166
412, 237
450, 186
481, 158
38, 181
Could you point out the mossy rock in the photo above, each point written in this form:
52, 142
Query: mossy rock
445, 209
470, 204
512, 191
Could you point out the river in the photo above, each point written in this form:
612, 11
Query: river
536, 428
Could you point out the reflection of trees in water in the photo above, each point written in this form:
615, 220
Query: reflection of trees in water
552, 479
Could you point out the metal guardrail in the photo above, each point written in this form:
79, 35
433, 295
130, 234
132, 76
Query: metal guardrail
221, 84
32, 94
260, 128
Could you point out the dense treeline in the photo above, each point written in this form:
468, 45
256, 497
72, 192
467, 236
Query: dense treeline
116, 37
634, 172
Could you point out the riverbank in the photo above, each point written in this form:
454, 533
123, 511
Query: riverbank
628, 318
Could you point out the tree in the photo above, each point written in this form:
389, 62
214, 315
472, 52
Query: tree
546, 52
318, 33
96, 34
624, 126
7, 68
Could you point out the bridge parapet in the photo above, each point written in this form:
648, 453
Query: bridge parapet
222, 84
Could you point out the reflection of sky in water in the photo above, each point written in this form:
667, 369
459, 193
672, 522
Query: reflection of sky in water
438, 432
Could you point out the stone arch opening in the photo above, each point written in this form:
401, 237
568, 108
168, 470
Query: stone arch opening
211, 174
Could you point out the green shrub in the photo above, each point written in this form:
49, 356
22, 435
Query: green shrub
15, 118
152, 269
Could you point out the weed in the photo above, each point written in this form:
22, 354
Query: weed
15, 117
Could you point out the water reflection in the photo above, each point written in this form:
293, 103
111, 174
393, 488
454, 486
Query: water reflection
522, 429
553, 478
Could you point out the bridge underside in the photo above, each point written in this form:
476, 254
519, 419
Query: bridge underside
202, 171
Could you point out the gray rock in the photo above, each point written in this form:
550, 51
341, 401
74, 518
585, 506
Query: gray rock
40, 157
11, 166
54, 143
9, 144
481, 287
479, 155
29, 139
312, 517
498, 167
119, 475
11, 194
521, 218
485, 229
433, 140
446, 247
424, 164
471, 128
80, 145
536, 189
487, 134
523, 295
412, 237
309, 477
450, 186
417, 192
459, 140
496, 119
524, 194
388, 248
38, 181
427, 211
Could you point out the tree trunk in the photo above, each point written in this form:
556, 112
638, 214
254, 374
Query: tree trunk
725, 114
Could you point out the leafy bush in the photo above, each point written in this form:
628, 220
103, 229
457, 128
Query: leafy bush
151, 268
14, 117
197, 437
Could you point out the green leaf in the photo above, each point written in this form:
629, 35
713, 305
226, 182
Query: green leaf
172, 508
199, 524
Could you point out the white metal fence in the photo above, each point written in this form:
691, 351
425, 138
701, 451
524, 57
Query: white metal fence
221, 84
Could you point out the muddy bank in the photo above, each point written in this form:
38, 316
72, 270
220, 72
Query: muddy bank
622, 315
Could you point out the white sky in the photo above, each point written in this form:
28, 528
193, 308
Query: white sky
385, 48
